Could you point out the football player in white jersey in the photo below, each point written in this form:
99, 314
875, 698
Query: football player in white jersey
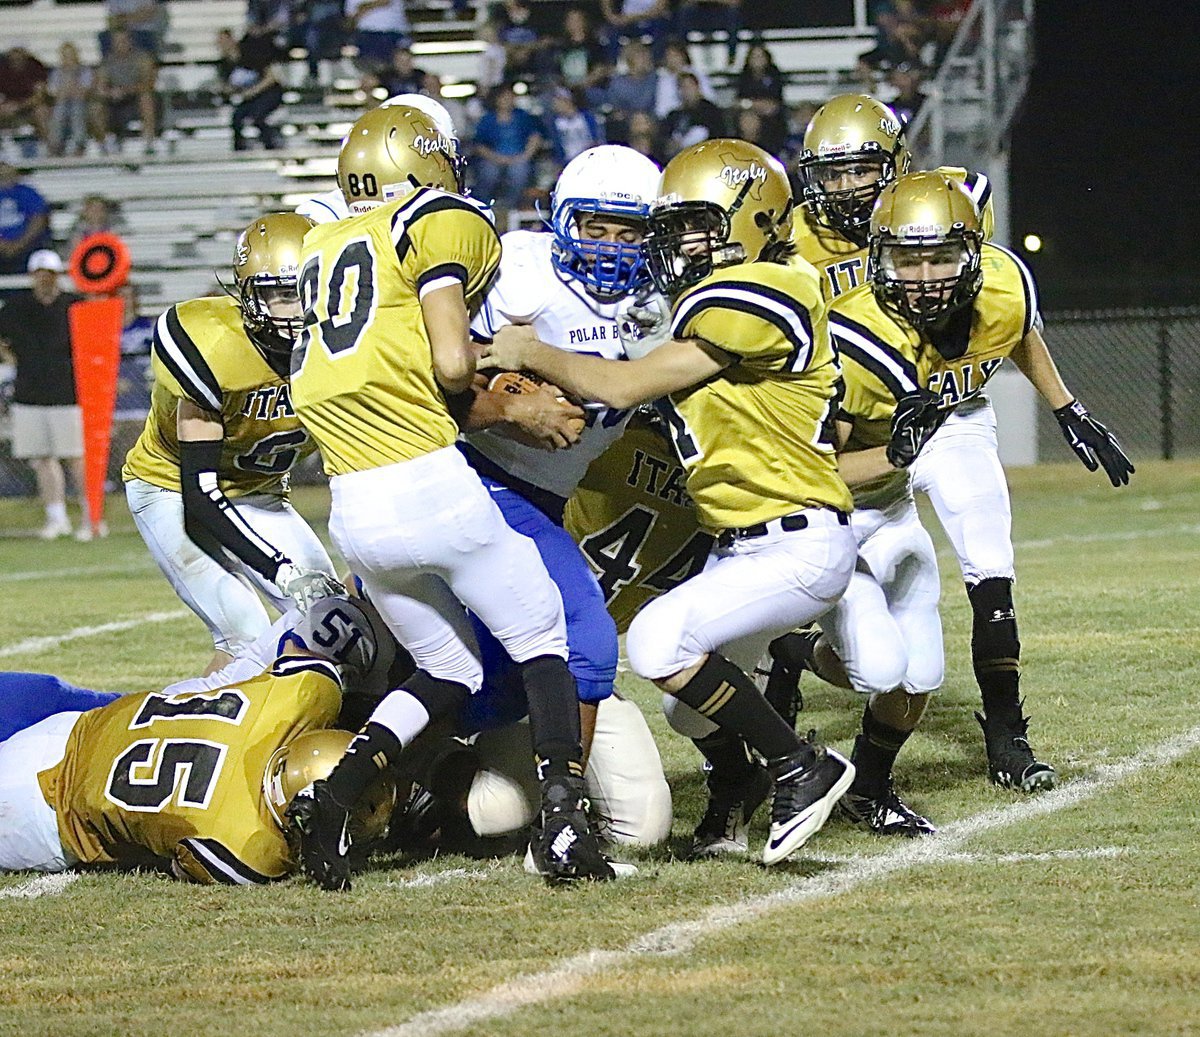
331, 205
568, 285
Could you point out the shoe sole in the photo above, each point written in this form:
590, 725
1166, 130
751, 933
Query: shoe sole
812, 821
720, 848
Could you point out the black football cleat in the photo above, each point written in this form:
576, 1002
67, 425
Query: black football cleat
563, 846
1011, 763
806, 791
724, 827
886, 815
323, 826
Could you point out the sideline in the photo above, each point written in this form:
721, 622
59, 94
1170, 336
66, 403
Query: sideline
572, 975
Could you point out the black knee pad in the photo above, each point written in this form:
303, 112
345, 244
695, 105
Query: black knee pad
994, 627
440, 697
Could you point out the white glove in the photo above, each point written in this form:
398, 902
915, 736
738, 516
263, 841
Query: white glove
643, 322
304, 586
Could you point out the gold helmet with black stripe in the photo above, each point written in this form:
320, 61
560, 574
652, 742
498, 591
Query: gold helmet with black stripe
266, 267
721, 202
853, 148
390, 152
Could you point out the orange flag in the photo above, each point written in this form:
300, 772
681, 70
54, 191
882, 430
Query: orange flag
96, 351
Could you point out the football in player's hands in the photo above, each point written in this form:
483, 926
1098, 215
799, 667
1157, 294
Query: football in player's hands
516, 382
524, 383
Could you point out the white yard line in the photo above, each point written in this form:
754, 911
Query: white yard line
572, 975
113, 569
33, 645
1099, 538
1097, 853
438, 878
43, 885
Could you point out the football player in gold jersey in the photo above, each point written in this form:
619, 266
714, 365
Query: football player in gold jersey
387, 297
942, 311
748, 384
854, 147
191, 782
207, 480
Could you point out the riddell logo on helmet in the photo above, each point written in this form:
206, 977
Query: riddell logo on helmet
731, 176
920, 230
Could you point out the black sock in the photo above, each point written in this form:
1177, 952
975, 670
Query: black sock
553, 717
874, 755
371, 751
729, 756
996, 649
729, 698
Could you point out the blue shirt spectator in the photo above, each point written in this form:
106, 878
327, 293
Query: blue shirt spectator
24, 221
572, 128
506, 139
635, 89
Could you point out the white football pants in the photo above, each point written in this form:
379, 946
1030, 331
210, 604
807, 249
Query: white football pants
626, 785
425, 538
223, 596
29, 838
959, 471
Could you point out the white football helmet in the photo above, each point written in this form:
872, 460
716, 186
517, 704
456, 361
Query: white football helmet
611, 180
434, 109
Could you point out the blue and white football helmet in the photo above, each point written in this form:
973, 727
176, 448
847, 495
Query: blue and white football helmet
610, 180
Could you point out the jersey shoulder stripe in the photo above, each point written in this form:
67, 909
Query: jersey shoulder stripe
222, 865
424, 204
1028, 286
979, 187
290, 665
777, 308
897, 373
182, 357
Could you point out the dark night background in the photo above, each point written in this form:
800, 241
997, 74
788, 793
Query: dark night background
1105, 155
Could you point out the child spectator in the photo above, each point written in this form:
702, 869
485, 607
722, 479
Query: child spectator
97, 215
70, 87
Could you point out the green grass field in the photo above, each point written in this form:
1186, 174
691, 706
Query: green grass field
1077, 912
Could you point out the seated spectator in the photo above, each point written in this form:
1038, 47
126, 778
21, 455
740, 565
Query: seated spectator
581, 56
695, 119
70, 87
23, 97
319, 27
523, 47
641, 133
900, 34
144, 20
506, 140
634, 89
97, 215
255, 88
379, 27
493, 62
571, 126
906, 80
401, 77
125, 81
635, 19
751, 126
711, 16
759, 77
24, 221
227, 55
676, 60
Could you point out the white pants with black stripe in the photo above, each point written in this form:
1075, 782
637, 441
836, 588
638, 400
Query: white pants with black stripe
959, 471
886, 629
29, 839
223, 595
426, 538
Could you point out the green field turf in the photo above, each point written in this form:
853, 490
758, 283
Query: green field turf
1077, 912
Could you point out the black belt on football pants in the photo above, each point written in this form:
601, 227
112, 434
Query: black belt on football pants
787, 524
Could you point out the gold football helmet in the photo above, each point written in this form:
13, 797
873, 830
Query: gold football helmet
311, 757
853, 148
392, 151
721, 202
266, 264
925, 244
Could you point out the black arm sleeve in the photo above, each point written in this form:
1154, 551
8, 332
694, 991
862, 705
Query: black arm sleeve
211, 520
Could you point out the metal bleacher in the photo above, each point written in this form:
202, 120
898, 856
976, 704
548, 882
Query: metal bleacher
183, 205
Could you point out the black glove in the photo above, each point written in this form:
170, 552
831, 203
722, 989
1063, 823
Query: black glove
918, 416
1093, 443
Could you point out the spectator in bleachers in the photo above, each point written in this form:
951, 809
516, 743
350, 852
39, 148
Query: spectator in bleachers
24, 221
227, 55
400, 77
493, 61
70, 87
125, 81
254, 86
97, 215
695, 119
633, 89
319, 27
711, 16
23, 97
380, 26
900, 33
582, 57
759, 86
506, 140
749, 125
524, 48
906, 80
144, 20
675, 61
275, 15
635, 19
641, 133
572, 127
